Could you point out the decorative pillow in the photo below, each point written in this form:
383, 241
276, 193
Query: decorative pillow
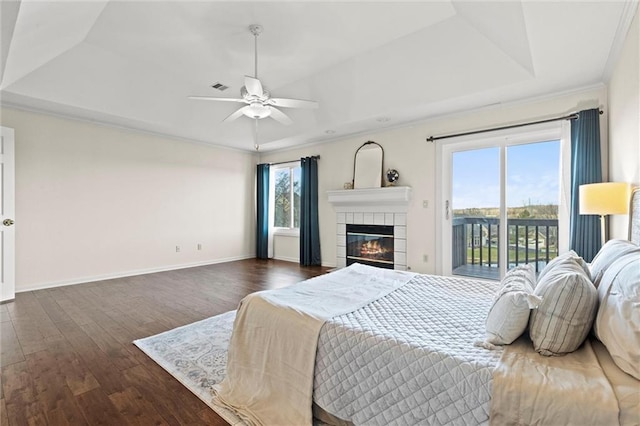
608, 254
572, 255
618, 320
509, 315
565, 314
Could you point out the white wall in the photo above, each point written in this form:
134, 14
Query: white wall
286, 247
406, 150
96, 202
624, 121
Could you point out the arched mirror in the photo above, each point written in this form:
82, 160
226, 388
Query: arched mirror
367, 166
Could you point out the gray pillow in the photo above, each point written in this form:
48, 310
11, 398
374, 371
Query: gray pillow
618, 320
565, 315
609, 253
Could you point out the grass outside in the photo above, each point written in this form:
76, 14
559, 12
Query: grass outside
542, 255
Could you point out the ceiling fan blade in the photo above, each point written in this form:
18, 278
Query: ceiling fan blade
280, 116
236, 114
209, 98
292, 103
253, 85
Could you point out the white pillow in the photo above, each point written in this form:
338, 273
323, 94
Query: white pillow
509, 315
617, 324
608, 254
565, 314
570, 255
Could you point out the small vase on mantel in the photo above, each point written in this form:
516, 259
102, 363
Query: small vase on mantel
392, 177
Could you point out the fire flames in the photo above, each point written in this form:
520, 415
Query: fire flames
372, 249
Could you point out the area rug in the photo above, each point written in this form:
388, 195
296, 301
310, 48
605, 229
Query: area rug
196, 355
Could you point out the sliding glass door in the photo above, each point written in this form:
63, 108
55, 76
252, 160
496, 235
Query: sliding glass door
533, 195
500, 204
475, 208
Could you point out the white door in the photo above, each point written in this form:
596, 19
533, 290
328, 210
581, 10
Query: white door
7, 211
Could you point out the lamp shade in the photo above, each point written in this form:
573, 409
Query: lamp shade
604, 198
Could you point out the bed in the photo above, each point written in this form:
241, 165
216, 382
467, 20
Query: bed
368, 346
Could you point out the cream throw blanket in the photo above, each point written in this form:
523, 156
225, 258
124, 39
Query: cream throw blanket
531, 389
272, 350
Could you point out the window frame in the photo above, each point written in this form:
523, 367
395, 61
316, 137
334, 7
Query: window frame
279, 230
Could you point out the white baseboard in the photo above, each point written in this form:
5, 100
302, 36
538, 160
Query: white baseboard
84, 280
287, 259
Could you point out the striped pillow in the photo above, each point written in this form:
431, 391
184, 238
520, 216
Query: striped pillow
564, 317
569, 255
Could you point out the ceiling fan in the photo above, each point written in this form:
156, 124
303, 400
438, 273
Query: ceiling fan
259, 102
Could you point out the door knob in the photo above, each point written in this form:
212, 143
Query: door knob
8, 222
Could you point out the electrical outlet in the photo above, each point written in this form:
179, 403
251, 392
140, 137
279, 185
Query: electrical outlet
425, 203
425, 258
199, 246
177, 249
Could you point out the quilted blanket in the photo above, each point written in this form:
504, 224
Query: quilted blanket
409, 357
272, 349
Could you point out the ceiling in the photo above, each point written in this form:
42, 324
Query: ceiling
369, 65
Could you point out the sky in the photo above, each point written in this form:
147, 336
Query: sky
533, 176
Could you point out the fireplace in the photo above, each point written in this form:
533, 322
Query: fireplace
370, 245
383, 213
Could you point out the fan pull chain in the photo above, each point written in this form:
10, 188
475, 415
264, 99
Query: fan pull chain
255, 134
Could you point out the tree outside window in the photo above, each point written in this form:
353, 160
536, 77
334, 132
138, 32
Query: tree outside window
287, 197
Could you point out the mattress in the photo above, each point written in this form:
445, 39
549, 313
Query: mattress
409, 357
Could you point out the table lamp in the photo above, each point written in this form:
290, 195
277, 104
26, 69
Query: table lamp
604, 199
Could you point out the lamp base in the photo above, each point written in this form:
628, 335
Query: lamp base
603, 238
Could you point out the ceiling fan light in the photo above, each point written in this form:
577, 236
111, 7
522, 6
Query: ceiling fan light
257, 110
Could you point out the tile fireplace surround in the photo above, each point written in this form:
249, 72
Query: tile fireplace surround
372, 206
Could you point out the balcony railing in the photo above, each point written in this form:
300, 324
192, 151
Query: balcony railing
475, 244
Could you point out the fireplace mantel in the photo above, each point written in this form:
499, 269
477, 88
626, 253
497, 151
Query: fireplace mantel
391, 198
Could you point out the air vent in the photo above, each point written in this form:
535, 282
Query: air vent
219, 86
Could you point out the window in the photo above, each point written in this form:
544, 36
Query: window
286, 199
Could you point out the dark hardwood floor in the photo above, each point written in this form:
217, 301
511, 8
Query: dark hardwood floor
67, 356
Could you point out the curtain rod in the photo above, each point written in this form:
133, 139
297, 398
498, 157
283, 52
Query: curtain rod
291, 161
573, 116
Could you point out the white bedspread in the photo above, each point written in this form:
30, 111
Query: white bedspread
273, 346
409, 358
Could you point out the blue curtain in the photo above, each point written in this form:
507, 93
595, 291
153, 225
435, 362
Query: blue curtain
586, 167
262, 203
309, 228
